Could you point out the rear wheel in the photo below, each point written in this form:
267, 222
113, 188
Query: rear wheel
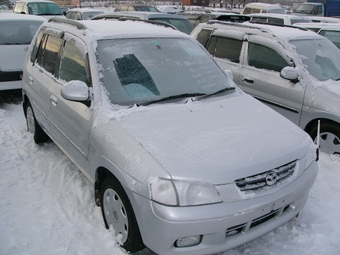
329, 137
33, 126
117, 211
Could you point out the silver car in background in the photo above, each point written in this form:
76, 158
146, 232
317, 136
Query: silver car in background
182, 161
292, 70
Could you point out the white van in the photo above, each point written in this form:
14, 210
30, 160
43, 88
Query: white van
263, 8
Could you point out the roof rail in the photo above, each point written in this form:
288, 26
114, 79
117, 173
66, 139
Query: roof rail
77, 24
252, 22
277, 25
124, 18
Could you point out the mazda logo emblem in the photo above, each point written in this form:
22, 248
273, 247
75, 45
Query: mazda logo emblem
271, 178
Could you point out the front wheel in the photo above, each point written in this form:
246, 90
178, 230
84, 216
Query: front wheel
329, 137
117, 211
33, 126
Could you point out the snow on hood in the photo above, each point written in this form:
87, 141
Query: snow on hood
207, 139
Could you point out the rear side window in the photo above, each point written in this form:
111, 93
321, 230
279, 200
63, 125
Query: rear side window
265, 58
225, 48
18, 32
48, 53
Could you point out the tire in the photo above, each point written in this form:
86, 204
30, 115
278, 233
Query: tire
329, 137
117, 211
33, 126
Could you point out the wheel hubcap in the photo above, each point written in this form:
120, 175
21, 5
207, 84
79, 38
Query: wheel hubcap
115, 214
329, 143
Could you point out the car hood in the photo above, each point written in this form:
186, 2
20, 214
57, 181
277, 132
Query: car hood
216, 140
14, 56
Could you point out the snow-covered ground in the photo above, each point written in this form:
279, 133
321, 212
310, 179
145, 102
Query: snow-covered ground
47, 205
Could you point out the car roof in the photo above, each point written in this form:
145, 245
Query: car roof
141, 15
320, 26
279, 15
16, 16
266, 30
265, 5
85, 10
90, 30
35, 1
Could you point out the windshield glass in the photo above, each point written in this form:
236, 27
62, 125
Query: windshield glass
321, 58
182, 25
18, 32
44, 9
137, 71
305, 8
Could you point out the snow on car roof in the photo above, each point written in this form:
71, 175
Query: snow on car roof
104, 29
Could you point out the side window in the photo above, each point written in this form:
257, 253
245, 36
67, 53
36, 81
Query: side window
247, 10
203, 36
69, 15
275, 21
73, 64
265, 58
228, 48
48, 53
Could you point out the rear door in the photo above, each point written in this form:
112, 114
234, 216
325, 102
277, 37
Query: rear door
40, 75
260, 77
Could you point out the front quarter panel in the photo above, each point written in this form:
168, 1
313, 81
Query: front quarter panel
115, 150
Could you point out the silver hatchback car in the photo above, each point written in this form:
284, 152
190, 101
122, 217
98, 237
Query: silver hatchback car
292, 70
181, 160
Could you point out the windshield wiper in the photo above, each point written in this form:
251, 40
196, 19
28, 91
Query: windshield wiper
171, 98
218, 92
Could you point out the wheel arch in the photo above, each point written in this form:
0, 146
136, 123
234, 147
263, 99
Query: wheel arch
308, 128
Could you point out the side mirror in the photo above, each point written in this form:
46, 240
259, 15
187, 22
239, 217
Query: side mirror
75, 91
229, 74
290, 73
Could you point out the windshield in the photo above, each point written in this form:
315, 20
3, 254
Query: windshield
18, 32
182, 25
90, 15
320, 56
44, 9
144, 70
305, 8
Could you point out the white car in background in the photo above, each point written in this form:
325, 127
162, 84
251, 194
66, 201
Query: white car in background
329, 30
16, 33
82, 13
278, 19
44, 8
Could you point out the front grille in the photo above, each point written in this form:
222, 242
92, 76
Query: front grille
266, 179
245, 227
10, 76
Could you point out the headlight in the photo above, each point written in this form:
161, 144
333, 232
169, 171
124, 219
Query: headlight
183, 193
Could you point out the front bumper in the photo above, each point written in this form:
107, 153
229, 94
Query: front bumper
221, 226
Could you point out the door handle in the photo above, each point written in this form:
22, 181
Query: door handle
248, 80
30, 80
54, 100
